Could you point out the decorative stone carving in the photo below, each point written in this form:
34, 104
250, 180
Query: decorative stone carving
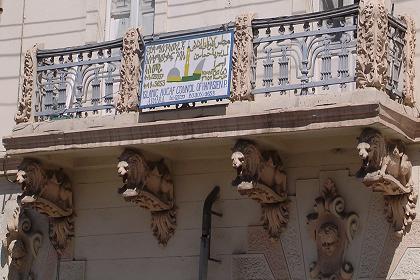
372, 45
149, 185
386, 169
243, 59
332, 229
130, 72
28, 86
49, 192
409, 60
260, 176
21, 246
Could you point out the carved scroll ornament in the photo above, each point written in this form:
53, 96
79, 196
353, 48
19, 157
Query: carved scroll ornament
386, 168
260, 176
409, 60
242, 59
130, 72
372, 45
332, 229
149, 185
21, 245
28, 86
49, 192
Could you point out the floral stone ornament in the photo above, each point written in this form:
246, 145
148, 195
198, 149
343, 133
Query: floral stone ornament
149, 185
332, 229
260, 176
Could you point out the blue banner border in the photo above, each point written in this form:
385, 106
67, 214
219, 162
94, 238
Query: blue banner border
231, 32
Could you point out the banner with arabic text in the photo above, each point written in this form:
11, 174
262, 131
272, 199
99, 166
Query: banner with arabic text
191, 69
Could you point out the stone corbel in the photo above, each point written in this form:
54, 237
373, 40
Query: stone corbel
130, 72
260, 176
372, 45
149, 185
332, 229
49, 192
409, 60
386, 169
21, 245
242, 59
28, 86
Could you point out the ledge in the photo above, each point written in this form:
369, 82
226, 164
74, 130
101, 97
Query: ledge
276, 114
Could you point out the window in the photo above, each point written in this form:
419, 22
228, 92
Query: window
127, 13
326, 5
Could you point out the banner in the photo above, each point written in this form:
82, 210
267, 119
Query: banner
187, 70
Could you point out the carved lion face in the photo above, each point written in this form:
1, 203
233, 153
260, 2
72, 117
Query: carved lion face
238, 159
371, 148
30, 176
364, 150
245, 159
329, 238
132, 168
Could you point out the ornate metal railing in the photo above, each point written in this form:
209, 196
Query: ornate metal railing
396, 39
75, 81
301, 53
350, 47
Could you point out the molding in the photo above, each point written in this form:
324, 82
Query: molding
332, 229
130, 72
356, 110
28, 86
243, 58
149, 185
409, 54
260, 176
277, 121
372, 45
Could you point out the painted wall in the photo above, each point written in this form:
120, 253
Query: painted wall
63, 23
54, 24
114, 238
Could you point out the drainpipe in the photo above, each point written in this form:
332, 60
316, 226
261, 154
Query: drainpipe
206, 233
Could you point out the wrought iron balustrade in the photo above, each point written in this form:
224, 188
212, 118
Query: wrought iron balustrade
75, 81
301, 53
396, 39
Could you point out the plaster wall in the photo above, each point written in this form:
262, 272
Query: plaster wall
53, 24
114, 237
60, 23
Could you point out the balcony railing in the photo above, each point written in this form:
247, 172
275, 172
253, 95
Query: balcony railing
396, 38
302, 54
73, 81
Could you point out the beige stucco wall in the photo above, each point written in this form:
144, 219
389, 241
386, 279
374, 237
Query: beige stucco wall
54, 24
114, 237
63, 23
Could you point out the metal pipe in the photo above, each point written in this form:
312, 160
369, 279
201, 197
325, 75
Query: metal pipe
206, 233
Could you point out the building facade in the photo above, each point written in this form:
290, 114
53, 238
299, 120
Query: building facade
221, 140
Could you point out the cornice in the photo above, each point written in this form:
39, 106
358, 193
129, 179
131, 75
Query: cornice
274, 121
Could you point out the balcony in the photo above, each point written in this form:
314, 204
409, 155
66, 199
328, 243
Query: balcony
359, 58
305, 54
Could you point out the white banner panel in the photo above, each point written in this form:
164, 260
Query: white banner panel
190, 69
